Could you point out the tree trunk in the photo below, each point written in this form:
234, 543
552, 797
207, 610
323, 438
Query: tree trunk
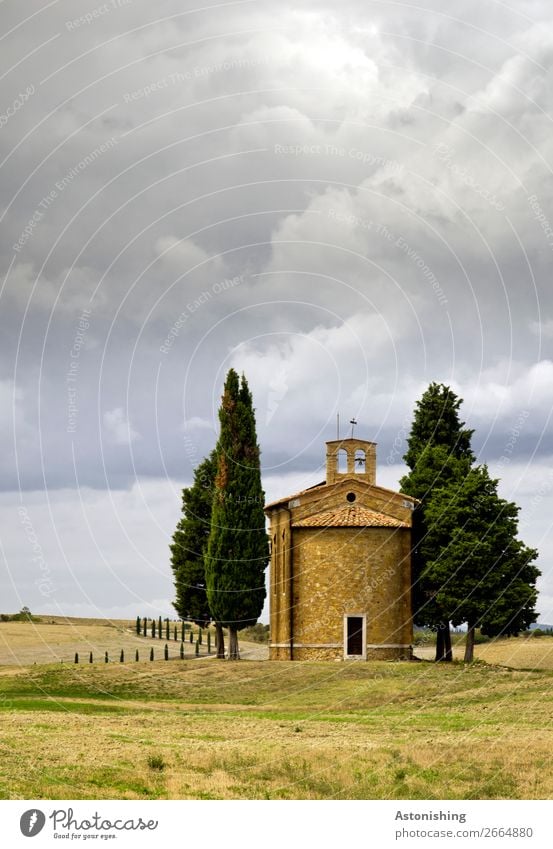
448, 652
443, 643
233, 652
220, 641
469, 645
439, 645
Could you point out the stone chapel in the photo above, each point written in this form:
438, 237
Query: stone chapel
340, 575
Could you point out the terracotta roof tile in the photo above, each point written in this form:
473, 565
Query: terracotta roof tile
350, 517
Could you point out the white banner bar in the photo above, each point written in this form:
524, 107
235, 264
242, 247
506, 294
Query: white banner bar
279, 824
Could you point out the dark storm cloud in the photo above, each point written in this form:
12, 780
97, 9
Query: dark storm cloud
344, 203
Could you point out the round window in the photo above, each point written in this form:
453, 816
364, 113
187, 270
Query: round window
351, 496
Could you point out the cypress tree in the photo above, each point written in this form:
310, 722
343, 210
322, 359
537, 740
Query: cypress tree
189, 547
153, 627
76, 657
238, 549
166, 652
106, 658
191, 636
159, 632
436, 423
438, 452
152, 653
122, 656
209, 642
175, 634
136, 656
182, 632
90, 659
197, 648
483, 574
167, 637
138, 625
145, 627
182, 651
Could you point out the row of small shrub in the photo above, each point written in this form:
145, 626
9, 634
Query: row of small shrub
137, 654
163, 627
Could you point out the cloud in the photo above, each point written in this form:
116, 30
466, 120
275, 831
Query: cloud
183, 255
509, 391
67, 294
542, 328
118, 427
197, 423
365, 172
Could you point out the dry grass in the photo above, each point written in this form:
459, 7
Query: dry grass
58, 638
519, 653
282, 730
523, 653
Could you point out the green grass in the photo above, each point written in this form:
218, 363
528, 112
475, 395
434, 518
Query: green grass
206, 729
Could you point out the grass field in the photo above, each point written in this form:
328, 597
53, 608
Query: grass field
522, 653
202, 728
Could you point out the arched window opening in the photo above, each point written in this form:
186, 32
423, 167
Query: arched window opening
342, 461
360, 461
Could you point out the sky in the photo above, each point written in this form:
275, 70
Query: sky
344, 201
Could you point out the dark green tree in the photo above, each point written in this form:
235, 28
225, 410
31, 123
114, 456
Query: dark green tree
159, 631
138, 625
189, 547
482, 573
238, 549
436, 423
438, 452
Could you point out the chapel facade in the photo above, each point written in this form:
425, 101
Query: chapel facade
340, 574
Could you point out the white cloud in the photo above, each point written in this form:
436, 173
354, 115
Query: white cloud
119, 428
542, 329
68, 293
183, 255
90, 550
509, 391
197, 423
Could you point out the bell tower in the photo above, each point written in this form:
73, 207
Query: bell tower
350, 458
